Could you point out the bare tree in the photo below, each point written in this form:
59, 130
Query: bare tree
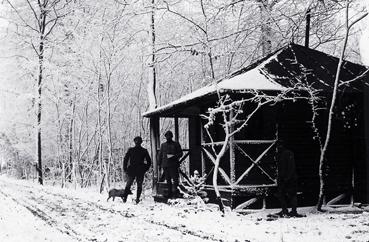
324, 145
45, 16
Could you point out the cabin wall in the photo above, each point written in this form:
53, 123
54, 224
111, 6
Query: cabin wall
366, 142
345, 155
347, 150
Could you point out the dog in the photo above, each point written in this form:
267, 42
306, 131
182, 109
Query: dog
117, 193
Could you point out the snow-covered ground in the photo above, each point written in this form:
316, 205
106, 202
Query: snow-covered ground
29, 212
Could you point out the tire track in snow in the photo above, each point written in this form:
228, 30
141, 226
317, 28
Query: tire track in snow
51, 207
43, 216
87, 206
126, 214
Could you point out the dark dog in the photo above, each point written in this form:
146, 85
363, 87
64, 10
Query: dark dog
117, 193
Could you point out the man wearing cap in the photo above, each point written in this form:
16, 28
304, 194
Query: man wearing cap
136, 162
169, 155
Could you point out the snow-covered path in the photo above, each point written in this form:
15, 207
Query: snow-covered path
29, 212
82, 220
18, 224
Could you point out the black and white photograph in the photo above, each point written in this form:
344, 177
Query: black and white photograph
184, 120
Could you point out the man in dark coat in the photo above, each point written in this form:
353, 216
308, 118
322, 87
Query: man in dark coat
136, 162
287, 180
169, 155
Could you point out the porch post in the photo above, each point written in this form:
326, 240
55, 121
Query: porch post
194, 142
155, 142
176, 129
202, 156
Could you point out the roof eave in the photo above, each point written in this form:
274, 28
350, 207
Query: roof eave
174, 104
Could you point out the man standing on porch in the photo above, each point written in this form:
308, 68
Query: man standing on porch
287, 180
169, 155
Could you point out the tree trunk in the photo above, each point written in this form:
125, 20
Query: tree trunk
100, 144
59, 145
39, 87
70, 144
63, 175
331, 109
151, 87
110, 143
266, 30
216, 168
84, 182
102, 184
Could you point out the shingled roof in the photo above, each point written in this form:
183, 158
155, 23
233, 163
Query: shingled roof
280, 70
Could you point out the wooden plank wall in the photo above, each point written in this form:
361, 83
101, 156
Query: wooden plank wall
346, 150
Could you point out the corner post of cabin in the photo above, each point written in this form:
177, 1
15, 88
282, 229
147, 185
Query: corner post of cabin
155, 142
366, 128
232, 158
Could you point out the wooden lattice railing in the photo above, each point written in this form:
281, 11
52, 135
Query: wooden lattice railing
254, 162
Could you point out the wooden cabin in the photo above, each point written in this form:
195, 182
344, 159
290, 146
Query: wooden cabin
250, 159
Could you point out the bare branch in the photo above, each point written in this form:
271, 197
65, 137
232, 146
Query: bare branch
357, 20
21, 18
346, 83
34, 12
182, 16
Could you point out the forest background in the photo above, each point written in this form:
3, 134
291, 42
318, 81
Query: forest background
89, 67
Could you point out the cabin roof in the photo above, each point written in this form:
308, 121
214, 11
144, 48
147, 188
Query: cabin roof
278, 71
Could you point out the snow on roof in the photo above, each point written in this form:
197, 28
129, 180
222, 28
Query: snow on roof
254, 79
280, 70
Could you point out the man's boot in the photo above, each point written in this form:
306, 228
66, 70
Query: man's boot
283, 213
294, 214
